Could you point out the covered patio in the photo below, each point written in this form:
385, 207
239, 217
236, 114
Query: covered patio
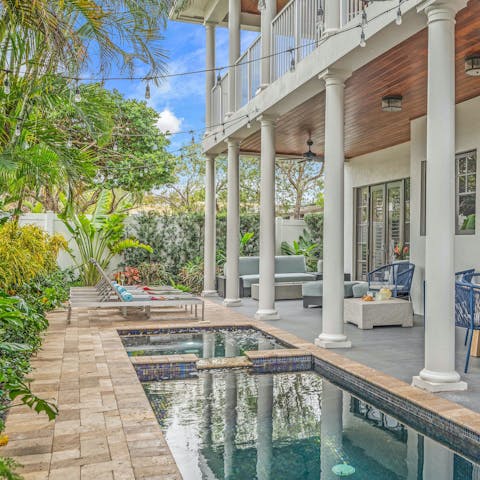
345, 119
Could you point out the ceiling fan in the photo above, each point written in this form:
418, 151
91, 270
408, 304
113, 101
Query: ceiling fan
310, 156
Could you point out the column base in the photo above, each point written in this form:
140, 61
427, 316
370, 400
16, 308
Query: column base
434, 381
435, 387
232, 302
267, 315
325, 340
209, 293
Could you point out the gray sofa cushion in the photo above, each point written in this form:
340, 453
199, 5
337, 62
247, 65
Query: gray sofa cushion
248, 266
248, 280
294, 277
360, 289
290, 264
315, 289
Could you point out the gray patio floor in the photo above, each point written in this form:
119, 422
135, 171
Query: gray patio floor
394, 350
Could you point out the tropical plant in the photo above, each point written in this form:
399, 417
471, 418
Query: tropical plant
303, 246
98, 236
153, 273
191, 275
26, 252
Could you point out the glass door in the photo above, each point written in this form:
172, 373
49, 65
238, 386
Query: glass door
382, 221
394, 218
377, 239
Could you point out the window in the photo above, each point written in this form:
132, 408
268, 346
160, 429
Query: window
465, 192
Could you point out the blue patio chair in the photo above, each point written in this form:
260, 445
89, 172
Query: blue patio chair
395, 276
467, 311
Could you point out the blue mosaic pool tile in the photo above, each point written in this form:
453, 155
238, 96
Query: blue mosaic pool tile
281, 364
166, 371
454, 436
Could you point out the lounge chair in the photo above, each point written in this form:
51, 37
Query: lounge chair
397, 277
108, 295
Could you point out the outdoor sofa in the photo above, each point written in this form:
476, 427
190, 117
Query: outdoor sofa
288, 268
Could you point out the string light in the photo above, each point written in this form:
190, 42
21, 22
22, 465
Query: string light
363, 42
364, 17
398, 20
193, 136
18, 131
292, 60
249, 123
77, 97
147, 91
69, 143
115, 147
6, 85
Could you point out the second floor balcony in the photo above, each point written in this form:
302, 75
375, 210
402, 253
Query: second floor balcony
295, 32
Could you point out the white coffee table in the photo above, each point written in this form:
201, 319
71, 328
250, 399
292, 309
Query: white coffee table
367, 315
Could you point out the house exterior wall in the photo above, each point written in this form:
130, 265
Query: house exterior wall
467, 247
403, 161
382, 166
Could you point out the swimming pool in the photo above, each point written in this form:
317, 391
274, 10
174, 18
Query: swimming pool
231, 424
205, 344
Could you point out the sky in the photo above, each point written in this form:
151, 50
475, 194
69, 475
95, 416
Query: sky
180, 101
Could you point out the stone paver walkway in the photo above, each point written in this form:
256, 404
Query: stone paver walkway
106, 429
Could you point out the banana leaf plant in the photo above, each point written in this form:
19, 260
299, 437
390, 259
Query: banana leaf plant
100, 235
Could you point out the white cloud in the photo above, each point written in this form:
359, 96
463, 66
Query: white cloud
167, 121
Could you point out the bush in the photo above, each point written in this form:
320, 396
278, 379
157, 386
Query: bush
177, 241
314, 223
25, 253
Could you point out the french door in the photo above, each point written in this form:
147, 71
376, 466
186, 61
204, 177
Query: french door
382, 222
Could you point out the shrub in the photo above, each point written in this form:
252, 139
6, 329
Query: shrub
25, 253
191, 275
314, 223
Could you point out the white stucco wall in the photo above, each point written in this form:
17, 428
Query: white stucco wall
385, 165
467, 247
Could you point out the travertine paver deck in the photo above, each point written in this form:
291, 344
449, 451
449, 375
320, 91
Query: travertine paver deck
106, 428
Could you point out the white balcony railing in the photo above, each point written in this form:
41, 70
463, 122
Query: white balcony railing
247, 73
350, 9
220, 100
294, 35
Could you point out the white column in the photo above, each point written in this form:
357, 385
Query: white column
268, 10
333, 335
264, 427
233, 50
210, 74
209, 263
332, 16
266, 300
230, 430
439, 373
233, 224
437, 460
331, 430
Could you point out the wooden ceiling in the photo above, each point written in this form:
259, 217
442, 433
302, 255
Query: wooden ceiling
251, 6
402, 70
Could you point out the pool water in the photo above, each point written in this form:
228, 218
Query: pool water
206, 344
230, 424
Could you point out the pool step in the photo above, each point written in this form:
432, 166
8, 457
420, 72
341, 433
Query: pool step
223, 362
277, 361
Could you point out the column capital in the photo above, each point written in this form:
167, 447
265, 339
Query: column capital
334, 76
209, 24
232, 141
443, 10
210, 156
267, 120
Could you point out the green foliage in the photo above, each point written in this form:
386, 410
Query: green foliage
314, 223
7, 467
177, 240
26, 252
99, 236
191, 275
304, 246
153, 274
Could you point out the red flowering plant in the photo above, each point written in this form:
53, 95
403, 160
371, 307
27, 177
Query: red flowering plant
401, 252
130, 276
